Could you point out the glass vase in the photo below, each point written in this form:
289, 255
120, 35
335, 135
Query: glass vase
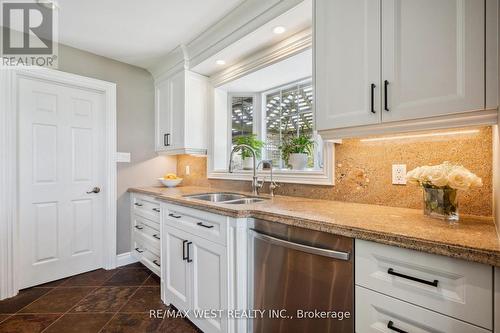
441, 203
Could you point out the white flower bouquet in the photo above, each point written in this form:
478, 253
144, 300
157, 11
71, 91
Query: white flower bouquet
440, 184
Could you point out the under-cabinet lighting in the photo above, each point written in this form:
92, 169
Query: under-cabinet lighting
424, 135
220, 62
279, 30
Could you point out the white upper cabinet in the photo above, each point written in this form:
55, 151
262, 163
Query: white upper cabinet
432, 57
426, 60
181, 102
347, 47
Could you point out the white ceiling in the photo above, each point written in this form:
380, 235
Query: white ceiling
294, 20
136, 32
291, 69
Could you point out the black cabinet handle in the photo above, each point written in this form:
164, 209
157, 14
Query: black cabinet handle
386, 84
156, 209
156, 263
204, 225
137, 249
390, 325
138, 204
430, 283
184, 257
139, 227
187, 246
174, 216
166, 139
372, 97
156, 236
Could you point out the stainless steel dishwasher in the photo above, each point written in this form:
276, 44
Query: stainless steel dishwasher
302, 272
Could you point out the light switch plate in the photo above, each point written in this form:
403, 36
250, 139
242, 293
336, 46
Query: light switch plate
399, 174
123, 157
188, 170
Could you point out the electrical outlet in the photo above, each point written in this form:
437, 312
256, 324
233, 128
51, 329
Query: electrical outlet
188, 170
399, 174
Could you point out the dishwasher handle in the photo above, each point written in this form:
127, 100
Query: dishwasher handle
301, 247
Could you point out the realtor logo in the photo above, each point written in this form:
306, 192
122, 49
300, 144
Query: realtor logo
29, 33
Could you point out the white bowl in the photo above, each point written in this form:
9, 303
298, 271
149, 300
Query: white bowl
170, 182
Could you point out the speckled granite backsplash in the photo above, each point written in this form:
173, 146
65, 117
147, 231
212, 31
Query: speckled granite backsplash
363, 170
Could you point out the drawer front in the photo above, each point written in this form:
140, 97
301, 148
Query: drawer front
376, 313
146, 207
146, 255
203, 224
453, 287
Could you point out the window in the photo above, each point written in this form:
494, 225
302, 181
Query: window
241, 116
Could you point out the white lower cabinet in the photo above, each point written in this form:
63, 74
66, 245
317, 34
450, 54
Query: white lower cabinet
195, 267
377, 313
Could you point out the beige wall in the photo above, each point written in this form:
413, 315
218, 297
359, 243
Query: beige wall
135, 126
363, 171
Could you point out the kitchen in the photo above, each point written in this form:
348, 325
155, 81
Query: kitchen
280, 166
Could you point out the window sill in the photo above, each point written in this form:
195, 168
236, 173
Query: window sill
310, 177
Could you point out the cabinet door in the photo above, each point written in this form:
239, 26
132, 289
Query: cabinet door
347, 60
177, 109
163, 115
209, 283
176, 271
432, 57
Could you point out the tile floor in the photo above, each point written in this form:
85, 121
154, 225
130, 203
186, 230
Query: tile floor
99, 301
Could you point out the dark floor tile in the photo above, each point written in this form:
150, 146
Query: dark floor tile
25, 297
105, 299
134, 265
52, 284
133, 323
80, 323
144, 300
3, 317
128, 277
94, 278
58, 300
153, 281
177, 325
27, 323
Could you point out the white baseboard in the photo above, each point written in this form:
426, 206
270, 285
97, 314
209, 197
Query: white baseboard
125, 259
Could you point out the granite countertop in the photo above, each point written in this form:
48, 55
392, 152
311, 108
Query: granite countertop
473, 238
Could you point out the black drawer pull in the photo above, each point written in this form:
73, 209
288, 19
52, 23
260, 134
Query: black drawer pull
156, 236
174, 216
390, 325
386, 84
184, 257
139, 227
156, 209
137, 249
430, 283
372, 97
188, 259
138, 204
204, 225
156, 263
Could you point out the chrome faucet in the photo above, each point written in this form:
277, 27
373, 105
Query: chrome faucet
256, 185
268, 165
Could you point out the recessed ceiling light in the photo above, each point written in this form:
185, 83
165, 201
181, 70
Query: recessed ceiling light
279, 29
220, 62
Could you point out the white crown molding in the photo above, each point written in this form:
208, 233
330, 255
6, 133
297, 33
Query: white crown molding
470, 118
263, 58
238, 23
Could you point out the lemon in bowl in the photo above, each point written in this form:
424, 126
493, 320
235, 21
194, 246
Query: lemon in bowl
170, 180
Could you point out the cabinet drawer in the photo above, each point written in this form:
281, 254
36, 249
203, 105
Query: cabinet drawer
200, 223
377, 313
453, 287
149, 257
148, 237
146, 207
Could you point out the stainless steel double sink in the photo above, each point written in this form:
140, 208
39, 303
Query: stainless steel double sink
226, 198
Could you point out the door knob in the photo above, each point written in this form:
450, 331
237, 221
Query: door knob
94, 190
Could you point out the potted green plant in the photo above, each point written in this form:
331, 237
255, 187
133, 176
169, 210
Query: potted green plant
296, 151
246, 156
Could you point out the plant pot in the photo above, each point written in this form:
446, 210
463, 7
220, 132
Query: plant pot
298, 161
441, 203
247, 163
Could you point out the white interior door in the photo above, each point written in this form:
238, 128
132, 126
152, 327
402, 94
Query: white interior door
347, 55
432, 57
61, 158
